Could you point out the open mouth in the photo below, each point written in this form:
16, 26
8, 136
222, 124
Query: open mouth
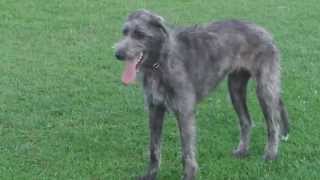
131, 69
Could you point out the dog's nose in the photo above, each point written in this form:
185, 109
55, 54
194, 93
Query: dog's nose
120, 55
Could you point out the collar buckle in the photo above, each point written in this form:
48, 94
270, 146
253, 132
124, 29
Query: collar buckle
155, 66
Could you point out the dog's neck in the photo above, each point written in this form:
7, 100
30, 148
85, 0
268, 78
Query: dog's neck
157, 55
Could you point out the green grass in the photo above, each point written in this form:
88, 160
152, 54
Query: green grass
65, 115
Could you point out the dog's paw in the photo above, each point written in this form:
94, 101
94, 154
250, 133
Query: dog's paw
270, 156
240, 153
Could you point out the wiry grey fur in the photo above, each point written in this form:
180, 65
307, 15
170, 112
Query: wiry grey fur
182, 65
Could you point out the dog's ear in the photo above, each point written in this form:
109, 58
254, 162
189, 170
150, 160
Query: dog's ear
150, 17
150, 14
159, 22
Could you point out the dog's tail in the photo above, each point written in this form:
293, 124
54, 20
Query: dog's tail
284, 124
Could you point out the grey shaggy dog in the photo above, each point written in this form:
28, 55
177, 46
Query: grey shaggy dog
180, 66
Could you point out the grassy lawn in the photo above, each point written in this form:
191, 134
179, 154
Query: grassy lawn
65, 115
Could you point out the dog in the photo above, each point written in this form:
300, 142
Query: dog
178, 67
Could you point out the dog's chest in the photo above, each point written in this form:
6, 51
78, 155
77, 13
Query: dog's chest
154, 90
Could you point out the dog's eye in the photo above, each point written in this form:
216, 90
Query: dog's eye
138, 34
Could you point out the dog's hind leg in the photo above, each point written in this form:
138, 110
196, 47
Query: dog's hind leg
156, 117
268, 92
237, 83
269, 105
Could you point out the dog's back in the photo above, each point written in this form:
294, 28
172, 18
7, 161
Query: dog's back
212, 51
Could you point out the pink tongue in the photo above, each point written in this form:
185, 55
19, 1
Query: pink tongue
129, 73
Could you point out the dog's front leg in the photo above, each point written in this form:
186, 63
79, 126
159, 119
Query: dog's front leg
186, 122
156, 117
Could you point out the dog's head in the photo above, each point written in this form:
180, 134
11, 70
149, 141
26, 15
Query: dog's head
143, 35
